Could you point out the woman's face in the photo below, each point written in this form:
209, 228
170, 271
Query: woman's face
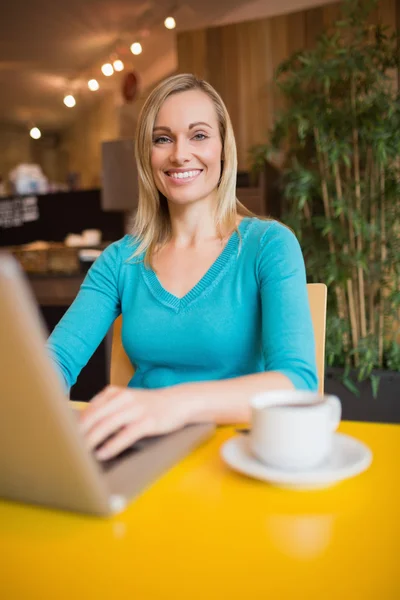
187, 148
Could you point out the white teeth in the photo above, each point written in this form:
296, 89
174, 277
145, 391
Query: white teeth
184, 175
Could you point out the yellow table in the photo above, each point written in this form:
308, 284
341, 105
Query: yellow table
204, 532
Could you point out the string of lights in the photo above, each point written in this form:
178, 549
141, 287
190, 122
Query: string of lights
114, 65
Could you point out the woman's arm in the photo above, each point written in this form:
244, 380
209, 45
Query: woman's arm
86, 322
225, 401
130, 414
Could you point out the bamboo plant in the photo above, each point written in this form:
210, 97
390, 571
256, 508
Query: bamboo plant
340, 134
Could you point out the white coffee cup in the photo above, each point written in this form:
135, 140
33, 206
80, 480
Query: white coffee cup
292, 429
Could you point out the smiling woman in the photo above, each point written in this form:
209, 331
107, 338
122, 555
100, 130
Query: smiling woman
184, 128
213, 300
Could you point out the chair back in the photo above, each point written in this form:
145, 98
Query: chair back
317, 294
122, 371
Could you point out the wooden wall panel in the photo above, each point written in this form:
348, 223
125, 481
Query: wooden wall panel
239, 61
232, 77
331, 14
192, 52
314, 25
397, 25
296, 27
387, 15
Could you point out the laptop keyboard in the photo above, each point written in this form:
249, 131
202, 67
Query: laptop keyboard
135, 448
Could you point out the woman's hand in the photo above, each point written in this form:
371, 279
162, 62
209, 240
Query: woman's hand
123, 415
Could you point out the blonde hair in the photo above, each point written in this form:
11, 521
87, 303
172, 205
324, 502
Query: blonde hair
152, 225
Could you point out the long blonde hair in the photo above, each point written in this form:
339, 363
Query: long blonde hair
152, 225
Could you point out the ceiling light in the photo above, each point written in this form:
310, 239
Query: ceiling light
118, 65
170, 23
69, 101
93, 85
35, 133
136, 48
107, 69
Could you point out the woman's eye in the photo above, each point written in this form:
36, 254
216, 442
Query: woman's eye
161, 140
200, 136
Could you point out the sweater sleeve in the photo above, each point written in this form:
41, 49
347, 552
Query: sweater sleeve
80, 331
287, 330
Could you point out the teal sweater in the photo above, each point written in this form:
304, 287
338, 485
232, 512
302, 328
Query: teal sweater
248, 314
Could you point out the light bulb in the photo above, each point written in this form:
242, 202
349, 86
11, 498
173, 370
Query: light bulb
35, 133
107, 69
170, 23
118, 65
93, 85
136, 48
69, 101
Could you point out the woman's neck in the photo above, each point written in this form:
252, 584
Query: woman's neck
192, 224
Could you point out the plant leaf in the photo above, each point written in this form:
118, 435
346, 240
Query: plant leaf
351, 386
375, 380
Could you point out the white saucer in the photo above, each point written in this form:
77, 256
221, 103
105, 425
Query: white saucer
349, 457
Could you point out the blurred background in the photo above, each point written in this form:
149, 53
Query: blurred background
73, 78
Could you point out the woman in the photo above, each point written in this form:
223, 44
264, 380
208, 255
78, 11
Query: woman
214, 300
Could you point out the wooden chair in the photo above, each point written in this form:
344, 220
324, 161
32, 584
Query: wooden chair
121, 370
317, 295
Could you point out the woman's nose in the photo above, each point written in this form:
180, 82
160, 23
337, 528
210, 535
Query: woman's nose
180, 151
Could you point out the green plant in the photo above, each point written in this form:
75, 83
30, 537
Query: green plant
340, 134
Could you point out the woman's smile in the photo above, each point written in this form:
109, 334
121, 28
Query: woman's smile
182, 176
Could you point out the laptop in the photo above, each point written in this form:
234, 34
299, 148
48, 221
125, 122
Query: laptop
43, 456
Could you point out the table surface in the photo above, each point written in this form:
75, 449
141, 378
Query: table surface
205, 532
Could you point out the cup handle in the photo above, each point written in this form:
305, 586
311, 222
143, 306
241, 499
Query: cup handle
336, 408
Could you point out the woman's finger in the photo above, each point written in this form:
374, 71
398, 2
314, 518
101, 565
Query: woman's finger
105, 395
125, 438
110, 424
115, 400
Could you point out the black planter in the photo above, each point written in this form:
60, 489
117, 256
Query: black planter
383, 409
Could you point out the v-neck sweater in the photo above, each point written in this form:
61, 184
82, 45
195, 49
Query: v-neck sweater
248, 314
